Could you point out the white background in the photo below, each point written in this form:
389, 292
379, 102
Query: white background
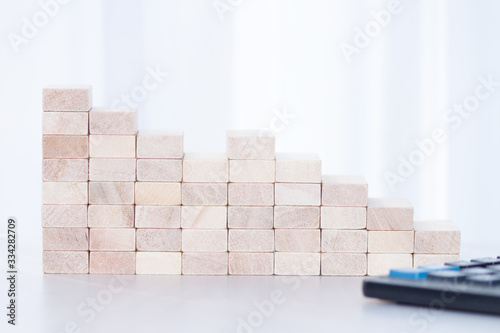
237, 69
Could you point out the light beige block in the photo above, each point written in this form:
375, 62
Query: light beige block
296, 217
112, 146
159, 240
381, 264
250, 145
65, 170
247, 240
160, 144
111, 193
65, 123
67, 98
290, 194
205, 168
205, 263
204, 217
112, 262
343, 264
65, 146
298, 168
159, 194
390, 241
111, 216
158, 263
251, 194
344, 191
251, 263
65, 262
204, 194
252, 171
120, 121
112, 169
254, 217
290, 263
433, 259
297, 240
204, 240
157, 216
389, 214
112, 239
64, 216
159, 170
344, 241
343, 217
64, 193
437, 237
65, 239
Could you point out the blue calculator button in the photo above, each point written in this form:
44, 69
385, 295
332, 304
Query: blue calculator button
408, 273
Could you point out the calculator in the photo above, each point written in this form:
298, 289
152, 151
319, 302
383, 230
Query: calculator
461, 285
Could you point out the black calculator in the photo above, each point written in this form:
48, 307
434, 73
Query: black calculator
462, 285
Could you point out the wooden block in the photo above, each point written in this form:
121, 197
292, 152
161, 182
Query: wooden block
64, 193
204, 217
343, 217
157, 194
390, 241
204, 240
112, 262
344, 241
437, 237
297, 240
204, 194
160, 144
65, 123
64, 216
67, 98
111, 193
298, 168
205, 168
65, 146
205, 263
159, 170
157, 217
381, 264
113, 121
343, 264
434, 259
296, 217
290, 263
111, 216
389, 214
159, 240
112, 146
112, 239
251, 194
66, 239
250, 145
112, 169
250, 217
158, 263
241, 263
290, 194
252, 171
246, 240
66, 262
65, 170
344, 191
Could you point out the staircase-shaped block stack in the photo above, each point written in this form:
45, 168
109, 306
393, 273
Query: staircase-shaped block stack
119, 201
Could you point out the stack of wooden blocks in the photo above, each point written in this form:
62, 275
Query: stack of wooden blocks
118, 201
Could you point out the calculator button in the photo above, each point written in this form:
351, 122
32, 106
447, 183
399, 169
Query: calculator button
408, 273
477, 271
484, 280
450, 276
494, 268
487, 261
465, 264
435, 268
